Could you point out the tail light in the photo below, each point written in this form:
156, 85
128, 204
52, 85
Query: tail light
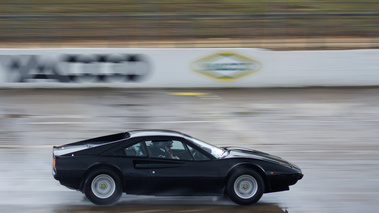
54, 162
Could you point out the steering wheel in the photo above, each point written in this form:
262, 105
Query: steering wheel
196, 154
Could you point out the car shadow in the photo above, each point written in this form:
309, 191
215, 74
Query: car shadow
152, 204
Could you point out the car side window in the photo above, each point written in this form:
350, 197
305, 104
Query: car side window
198, 156
135, 150
168, 149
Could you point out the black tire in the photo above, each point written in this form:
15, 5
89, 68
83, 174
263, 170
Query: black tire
103, 187
245, 187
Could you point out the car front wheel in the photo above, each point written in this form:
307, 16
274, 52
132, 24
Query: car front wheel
245, 187
103, 187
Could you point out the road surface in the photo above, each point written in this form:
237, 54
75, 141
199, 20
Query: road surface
331, 133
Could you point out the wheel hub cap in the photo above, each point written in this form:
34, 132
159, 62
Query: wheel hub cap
245, 186
103, 186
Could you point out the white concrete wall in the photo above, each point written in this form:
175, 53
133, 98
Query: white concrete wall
144, 68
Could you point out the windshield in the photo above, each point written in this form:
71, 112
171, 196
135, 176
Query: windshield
213, 150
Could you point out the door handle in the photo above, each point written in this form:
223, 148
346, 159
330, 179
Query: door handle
141, 166
157, 166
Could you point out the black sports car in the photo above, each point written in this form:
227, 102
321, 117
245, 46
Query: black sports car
162, 162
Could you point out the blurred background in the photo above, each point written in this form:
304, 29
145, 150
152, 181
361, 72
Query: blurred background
273, 24
331, 133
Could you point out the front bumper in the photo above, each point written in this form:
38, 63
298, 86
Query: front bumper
281, 182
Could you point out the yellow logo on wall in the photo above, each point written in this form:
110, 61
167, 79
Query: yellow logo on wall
226, 66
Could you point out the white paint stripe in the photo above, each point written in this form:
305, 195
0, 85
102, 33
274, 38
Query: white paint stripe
58, 122
171, 122
26, 147
137, 122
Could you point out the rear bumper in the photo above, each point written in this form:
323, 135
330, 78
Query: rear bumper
69, 179
69, 182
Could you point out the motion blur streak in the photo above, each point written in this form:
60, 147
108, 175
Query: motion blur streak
279, 24
331, 133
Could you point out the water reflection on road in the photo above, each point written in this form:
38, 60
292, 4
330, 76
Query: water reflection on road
331, 133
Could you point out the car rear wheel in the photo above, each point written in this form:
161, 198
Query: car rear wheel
245, 187
103, 187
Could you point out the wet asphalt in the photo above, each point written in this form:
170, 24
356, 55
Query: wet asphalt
331, 133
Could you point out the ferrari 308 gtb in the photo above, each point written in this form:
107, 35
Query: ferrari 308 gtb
163, 162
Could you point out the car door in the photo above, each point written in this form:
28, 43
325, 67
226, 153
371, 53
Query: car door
135, 169
178, 172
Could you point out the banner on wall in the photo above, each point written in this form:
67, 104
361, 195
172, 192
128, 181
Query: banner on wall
74, 68
174, 68
226, 65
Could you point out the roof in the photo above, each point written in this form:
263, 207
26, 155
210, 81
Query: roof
154, 132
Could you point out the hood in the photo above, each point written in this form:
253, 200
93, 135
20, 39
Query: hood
238, 152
